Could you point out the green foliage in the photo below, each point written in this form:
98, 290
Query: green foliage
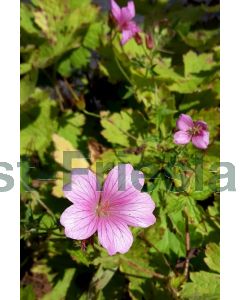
27, 293
204, 285
213, 257
99, 281
115, 128
82, 91
60, 289
37, 124
59, 24
195, 64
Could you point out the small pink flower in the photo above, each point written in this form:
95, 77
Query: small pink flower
189, 130
123, 17
109, 212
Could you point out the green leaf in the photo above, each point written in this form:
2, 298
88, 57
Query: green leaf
125, 128
194, 63
46, 223
24, 68
92, 37
79, 256
27, 293
26, 19
165, 72
60, 24
99, 281
27, 85
116, 127
168, 242
131, 48
37, 124
212, 258
65, 68
201, 39
140, 288
175, 202
80, 57
204, 286
71, 127
59, 291
195, 211
186, 85
108, 65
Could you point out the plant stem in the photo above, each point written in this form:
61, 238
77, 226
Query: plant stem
187, 245
55, 83
142, 269
60, 97
122, 70
75, 96
91, 113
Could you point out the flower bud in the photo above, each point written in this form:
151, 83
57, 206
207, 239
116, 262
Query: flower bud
138, 38
149, 41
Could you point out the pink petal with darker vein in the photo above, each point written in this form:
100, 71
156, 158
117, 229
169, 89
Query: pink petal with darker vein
203, 125
80, 223
201, 141
184, 122
83, 189
122, 182
182, 137
114, 235
134, 211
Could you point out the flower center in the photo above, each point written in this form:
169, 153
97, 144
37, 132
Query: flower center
195, 130
102, 209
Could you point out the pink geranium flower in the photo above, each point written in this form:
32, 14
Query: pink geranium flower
189, 130
123, 17
108, 212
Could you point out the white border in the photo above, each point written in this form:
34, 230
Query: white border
9, 148
230, 117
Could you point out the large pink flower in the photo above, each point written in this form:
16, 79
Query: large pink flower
123, 17
109, 212
189, 130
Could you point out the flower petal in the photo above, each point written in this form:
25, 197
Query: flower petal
122, 182
182, 137
203, 125
184, 122
126, 36
201, 141
137, 211
127, 13
79, 222
115, 10
131, 9
114, 235
84, 188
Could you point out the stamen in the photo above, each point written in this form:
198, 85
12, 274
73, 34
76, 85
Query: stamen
195, 130
102, 209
